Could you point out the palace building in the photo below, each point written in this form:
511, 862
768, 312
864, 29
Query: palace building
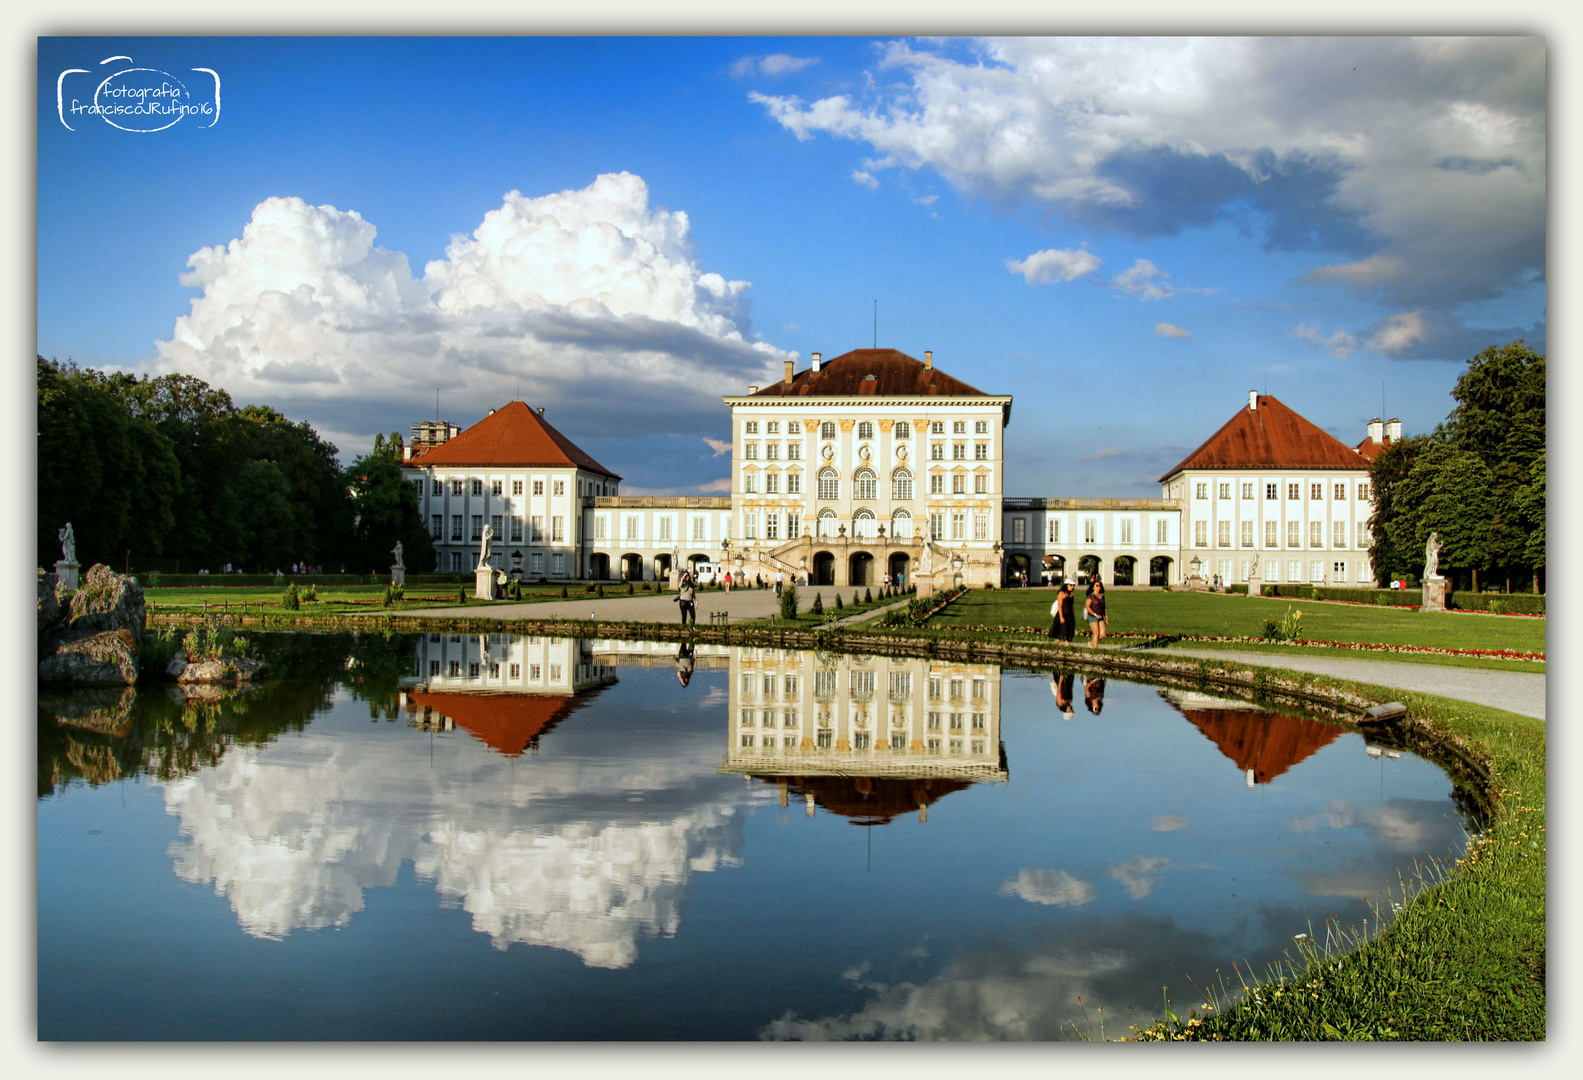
876, 463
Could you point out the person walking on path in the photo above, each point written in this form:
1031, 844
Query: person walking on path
1063, 615
687, 597
780, 581
1094, 612
1094, 694
1061, 687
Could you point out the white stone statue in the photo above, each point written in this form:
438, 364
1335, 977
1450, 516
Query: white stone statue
928, 559
483, 550
1432, 558
68, 544
396, 551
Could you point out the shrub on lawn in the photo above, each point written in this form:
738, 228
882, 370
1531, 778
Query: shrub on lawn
393, 594
838, 604
868, 596
818, 604
461, 594
289, 599
789, 602
564, 593
311, 596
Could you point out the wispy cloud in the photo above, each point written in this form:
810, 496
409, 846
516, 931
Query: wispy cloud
866, 179
774, 64
1339, 344
719, 446
1050, 887
1166, 329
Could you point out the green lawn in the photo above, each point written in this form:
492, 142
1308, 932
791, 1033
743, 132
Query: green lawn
1225, 615
341, 599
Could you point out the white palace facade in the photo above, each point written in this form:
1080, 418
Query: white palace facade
875, 463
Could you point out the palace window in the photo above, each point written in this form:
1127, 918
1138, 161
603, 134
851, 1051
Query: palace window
1202, 490
1316, 534
772, 428
750, 525
1316, 491
599, 527
1341, 534
1294, 491
937, 451
1019, 530
794, 483
937, 484
901, 525
436, 526
1247, 490
1247, 534
498, 525
1162, 530
959, 451
497, 487
456, 527
558, 565
456, 487
794, 427
1363, 535
750, 451
1090, 531
772, 451
1272, 491
863, 523
1126, 530
829, 484
827, 430
981, 426
1363, 491
751, 427
538, 487
1294, 534
632, 526
516, 530
772, 523
537, 535
1338, 571
772, 483
980, 526
699, 524
937, 427
865, 485
958, 526
560, 487
1053, 530
903, 430
865, 429
478, 487
981, 451
1223, 534
1271, 534
793, 524
901, 485
959, 427
827, 523
1201, 533
794, 451
937, 526
516, 487
958, 484
478, 526
436, 487
981, 484
750, 483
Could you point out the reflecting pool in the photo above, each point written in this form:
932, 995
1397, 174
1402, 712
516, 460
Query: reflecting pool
499, 837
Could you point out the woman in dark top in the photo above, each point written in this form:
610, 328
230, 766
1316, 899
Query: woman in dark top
1094, 694
1094, 612
1062, 615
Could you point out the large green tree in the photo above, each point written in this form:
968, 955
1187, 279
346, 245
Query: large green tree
386, 509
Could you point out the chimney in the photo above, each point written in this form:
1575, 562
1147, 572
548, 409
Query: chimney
753, 389
928, 359
788, 372
1253, 401
816, 361
541, 410
1393, 430
1376, 430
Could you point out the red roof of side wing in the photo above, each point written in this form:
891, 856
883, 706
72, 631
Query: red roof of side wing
506, 723
1270, 437
513, 435
1267, 743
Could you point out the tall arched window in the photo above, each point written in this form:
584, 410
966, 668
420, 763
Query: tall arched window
865, 430
901, 525
863, 523
827, 524
829, 483
901, 485
865, 484
827, 430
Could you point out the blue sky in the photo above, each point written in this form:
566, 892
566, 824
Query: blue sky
1127, 235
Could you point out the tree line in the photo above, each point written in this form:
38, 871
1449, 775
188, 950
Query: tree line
166, 472
1478, 480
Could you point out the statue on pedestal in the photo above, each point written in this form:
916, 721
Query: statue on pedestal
68, 544
1432, 558
483, 549
396, 551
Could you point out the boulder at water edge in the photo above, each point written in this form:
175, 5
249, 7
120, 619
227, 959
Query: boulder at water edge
110, 657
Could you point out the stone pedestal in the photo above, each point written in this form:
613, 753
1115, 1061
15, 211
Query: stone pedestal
1434, 595
398, 575
66, 575
484, 583
1255, 585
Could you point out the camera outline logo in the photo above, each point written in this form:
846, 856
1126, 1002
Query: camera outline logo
134, 94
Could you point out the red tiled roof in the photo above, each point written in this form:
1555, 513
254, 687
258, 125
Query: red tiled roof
894, 374
512, 435
1268, 743
1368, 449
504, 722
870, 800
1270, 437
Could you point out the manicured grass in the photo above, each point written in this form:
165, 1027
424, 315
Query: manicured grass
1464, 960
1274, 652
1224, 615
353, 598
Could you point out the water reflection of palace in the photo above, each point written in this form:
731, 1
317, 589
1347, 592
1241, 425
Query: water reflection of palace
1264, 744
867, 737
504, 689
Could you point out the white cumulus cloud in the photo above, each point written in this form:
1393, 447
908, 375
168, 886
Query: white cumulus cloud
719, 446
1054, 264
1166, 329
554, 298
1145, 281
1049, 887
774, 64
1420, 161
865, 178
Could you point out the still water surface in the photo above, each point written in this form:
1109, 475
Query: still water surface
451, 837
